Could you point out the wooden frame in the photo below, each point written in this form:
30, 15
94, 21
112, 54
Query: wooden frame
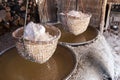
96, 7
110, 15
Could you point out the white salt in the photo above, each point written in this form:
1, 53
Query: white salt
74, 13
40, 1
36, 32
78, 14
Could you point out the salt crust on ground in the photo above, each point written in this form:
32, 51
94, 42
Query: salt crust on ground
89, 68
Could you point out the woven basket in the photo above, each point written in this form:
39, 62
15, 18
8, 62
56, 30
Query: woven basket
95, 7
39, 51
75, 25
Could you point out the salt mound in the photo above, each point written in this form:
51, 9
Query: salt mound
36, 32
77, 14
40, 1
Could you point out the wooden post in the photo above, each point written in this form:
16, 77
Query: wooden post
108, 16
103, 16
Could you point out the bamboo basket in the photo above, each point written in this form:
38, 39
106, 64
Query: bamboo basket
75, 25
39, 51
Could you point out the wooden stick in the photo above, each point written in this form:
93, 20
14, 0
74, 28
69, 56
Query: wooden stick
26, 13
22, 39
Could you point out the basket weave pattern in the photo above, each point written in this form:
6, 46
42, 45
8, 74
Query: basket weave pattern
36, 52
75, 25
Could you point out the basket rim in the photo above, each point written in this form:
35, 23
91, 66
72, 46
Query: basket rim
88, 15
57, 36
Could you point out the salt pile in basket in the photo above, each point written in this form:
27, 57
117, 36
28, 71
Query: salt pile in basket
38, 43
36, 32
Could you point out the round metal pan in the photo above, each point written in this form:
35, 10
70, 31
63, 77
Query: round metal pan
68, 38
59, 67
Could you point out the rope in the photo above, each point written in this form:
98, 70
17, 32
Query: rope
77, 5
42, 10
26, 13
68, 5
66, 17
22, 40
83, 10
45, 9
